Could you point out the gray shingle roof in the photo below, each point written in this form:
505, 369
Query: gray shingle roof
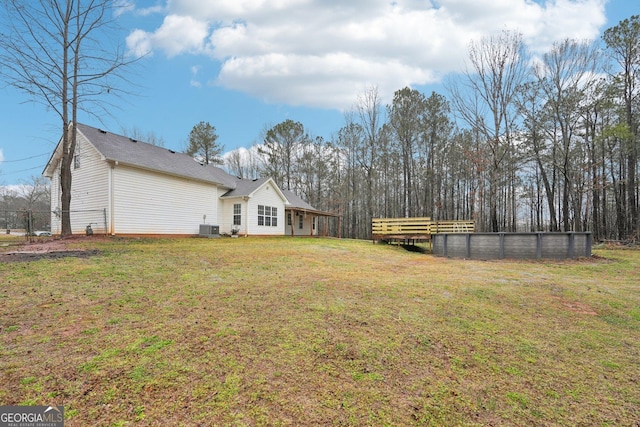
244, 187
124, 150
296, 202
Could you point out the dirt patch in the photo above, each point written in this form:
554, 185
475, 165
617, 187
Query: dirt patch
50, 249
36, 256
576, 307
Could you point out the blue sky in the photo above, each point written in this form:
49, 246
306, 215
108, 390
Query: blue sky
246, 65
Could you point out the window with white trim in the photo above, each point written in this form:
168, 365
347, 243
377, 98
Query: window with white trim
237, 214
267, 216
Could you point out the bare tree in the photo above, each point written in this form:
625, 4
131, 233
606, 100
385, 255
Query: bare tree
243, 163
53, 51
563, 73
484, 98
532, 104
148, 137
368, 110
35, 192
235, 163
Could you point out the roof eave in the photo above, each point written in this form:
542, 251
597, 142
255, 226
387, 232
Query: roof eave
54, 159
311, 211
118, 162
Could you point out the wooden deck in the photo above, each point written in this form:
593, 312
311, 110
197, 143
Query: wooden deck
415, 229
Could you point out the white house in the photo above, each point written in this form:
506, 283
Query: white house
121, 186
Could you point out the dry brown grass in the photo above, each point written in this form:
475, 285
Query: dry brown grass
280, 331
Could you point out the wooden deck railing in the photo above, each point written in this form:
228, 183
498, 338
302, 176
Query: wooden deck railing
399, 226
416, 228
452, 227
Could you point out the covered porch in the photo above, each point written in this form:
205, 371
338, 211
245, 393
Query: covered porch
302, 219
308, 222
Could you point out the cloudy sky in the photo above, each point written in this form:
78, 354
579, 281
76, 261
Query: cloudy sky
246, 65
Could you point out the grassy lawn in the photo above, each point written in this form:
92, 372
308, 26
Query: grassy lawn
281, 331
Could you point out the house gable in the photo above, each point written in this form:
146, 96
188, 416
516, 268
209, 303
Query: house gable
89, 201
251, 195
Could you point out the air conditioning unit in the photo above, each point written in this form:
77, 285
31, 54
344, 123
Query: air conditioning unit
207, 230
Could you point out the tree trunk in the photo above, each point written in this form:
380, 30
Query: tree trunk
67, 154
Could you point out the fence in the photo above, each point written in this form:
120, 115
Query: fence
24, 221
28, 222
83, 221
513, 245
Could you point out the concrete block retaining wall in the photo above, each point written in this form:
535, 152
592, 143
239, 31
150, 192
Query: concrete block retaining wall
512, 245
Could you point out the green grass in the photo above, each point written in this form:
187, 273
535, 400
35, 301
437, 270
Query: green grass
281, 331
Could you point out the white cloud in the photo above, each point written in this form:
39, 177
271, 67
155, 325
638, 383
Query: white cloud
139, 43
194, 76
1, 156
176, 35
246, 154
123, 6
323, 52
330, 81
128, 6
149, 10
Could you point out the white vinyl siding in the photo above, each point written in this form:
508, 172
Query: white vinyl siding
89, 192
266, 196
147, 202
56, 204
226, 219
302, 224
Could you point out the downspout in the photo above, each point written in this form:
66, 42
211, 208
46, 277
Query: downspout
111, 201
246, 217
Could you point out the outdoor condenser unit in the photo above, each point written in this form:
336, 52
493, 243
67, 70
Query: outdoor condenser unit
207, 230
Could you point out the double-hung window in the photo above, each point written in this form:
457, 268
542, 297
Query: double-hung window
260, 215
237, 214
267, 216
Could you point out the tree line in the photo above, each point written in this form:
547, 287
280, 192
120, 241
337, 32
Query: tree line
21, 203
520, 143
